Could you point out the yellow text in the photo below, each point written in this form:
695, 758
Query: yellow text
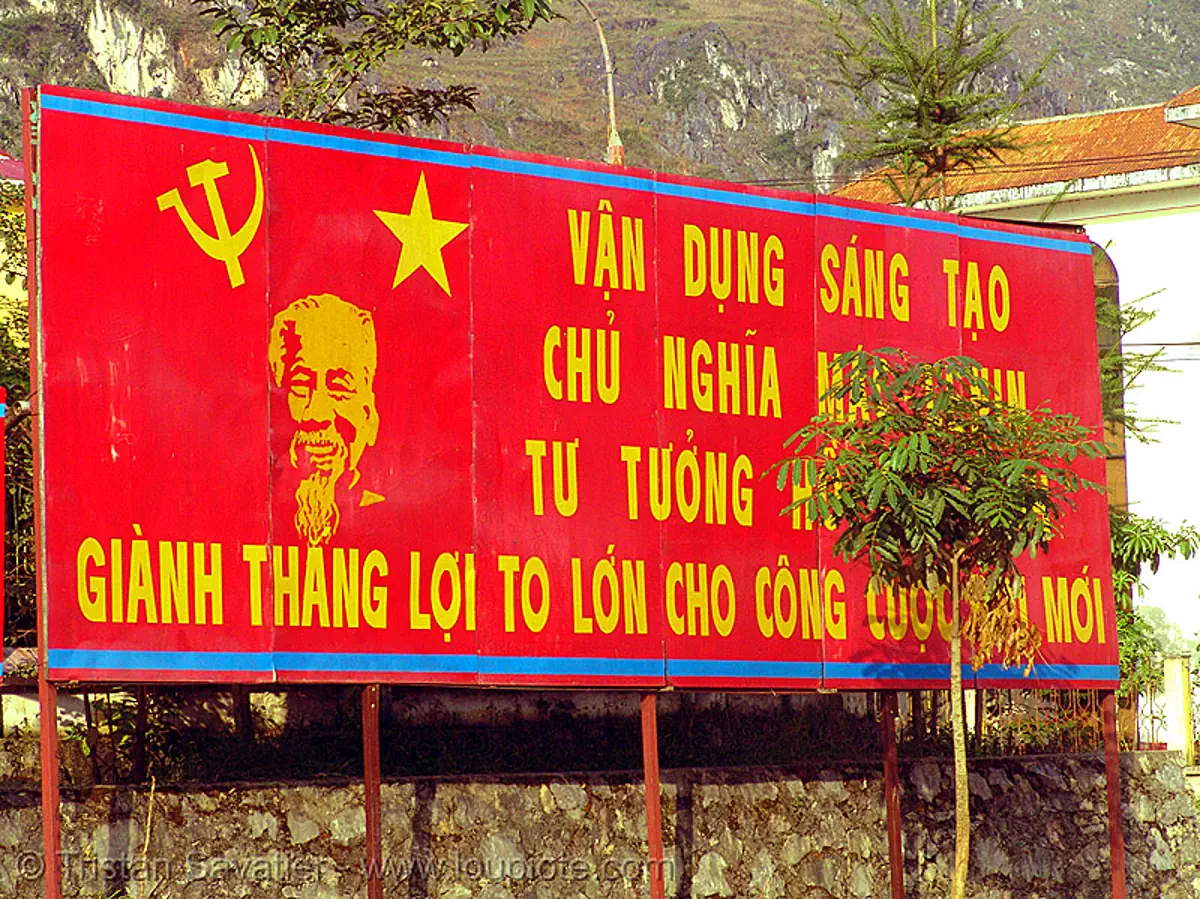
783, 598
866, 288
570, 371
694, 598
1074, 609
734, 378
714, 264
623, 247
717, 487
564, 473
975, 314
329, 587
176, 582
617, 595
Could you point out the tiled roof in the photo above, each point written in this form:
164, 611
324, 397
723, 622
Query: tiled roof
1188, 98
1070, 148
11, 169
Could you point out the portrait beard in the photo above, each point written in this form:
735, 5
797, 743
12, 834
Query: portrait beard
317, 513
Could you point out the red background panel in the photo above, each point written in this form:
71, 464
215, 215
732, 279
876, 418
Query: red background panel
182, 409
767, 237
328, 239
148, 439
1051, 306
529, 312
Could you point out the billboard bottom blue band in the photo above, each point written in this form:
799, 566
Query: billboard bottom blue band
729, 669
1047, 671
114, 661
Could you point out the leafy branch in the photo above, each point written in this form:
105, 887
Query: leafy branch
927, 88
324, 56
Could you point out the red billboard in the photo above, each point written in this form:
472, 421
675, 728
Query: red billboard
317, 404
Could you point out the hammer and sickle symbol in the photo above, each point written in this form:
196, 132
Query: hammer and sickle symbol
224, 245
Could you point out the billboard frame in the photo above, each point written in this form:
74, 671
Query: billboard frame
48, 690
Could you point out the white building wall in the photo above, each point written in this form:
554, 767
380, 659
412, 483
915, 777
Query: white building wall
1162, 253
1153, 239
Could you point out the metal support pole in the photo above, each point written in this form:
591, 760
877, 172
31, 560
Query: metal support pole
653, 798
371, 779
3, 530
47, 694
243, 716
891, 795
1112, 768
51, 825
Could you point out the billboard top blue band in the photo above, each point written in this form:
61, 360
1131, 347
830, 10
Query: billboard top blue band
390, 150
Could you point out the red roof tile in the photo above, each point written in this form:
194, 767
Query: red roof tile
1070, 148
1189, 97
11, 169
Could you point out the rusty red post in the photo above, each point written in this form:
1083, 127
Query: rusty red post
371, 783
243, 716
51, 825
653, 798
47, 694
3, 526
1112, 770
891, 795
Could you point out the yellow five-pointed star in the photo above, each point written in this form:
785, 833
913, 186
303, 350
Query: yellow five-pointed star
421, 237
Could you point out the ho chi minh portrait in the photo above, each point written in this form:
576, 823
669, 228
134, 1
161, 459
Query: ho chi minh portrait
323, 354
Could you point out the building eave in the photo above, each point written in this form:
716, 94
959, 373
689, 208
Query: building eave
1095, 187
1184, 115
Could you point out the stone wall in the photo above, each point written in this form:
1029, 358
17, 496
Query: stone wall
1040, 830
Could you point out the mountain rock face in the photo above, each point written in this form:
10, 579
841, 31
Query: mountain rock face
733, 89
711, 93
132, 58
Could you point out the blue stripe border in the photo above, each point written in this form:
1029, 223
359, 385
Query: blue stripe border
161, 117
867, 671
563, 665
1048, 671
892, 671
115, 660
346, 662
399, 663
159, 660
383, 149
743, 669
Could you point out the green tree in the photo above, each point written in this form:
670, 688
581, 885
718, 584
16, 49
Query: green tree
1141, 654
936, 482
1122, 368
1137, 543
324, 57
929, 89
